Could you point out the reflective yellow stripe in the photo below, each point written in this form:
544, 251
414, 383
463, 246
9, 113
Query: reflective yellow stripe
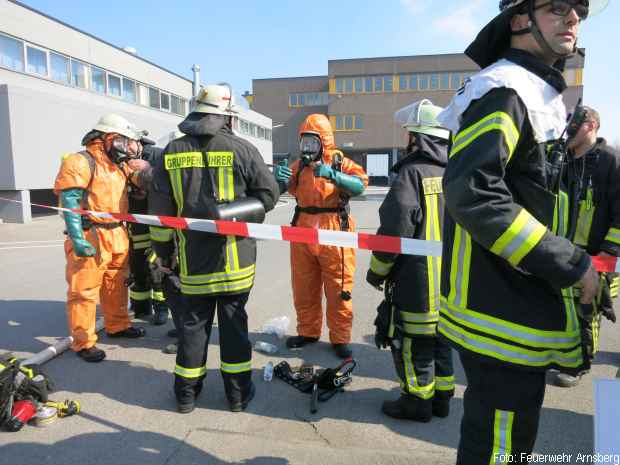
161, 234
502, 437
412, 386
428, 317
236, 367
379, 267
613, 287
433, 233
429, 329
177, 161
220, 159
444, 383
459, 272
158, 296
190, 372
219, 276
584, 220
560, 215
499, 121
139, 295
233, 286
519, 239
141, 245
613, 235
512, 332
140, 237
508, 352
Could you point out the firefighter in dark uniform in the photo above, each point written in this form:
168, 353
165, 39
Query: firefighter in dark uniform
145, 297
407, 319
211, 173
508, 265
598, 223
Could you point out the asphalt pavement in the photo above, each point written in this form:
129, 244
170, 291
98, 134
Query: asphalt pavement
129, 414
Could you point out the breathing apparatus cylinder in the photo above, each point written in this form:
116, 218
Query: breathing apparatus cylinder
249, 210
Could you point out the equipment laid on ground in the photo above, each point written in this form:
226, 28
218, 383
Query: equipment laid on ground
24, 391
322, 384
66, 408
21, 413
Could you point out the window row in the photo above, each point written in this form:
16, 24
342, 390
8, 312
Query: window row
20, 56
347, 122
308, 99
399, 83
251, 129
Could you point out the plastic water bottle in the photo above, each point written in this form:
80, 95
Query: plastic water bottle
265, 347
268, 372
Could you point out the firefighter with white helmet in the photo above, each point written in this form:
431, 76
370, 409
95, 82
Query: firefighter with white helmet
96, 249
211, 173
508, 264
407, 318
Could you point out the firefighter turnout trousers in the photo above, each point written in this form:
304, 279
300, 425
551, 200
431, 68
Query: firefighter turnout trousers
423, 364
142, 293
501, 412
196, 319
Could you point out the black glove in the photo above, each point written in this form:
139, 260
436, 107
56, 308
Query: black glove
609, 313
382, 323
160, 272
375, 280
605, 301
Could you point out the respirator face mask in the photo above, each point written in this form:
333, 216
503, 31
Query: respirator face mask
123, 149
310, 147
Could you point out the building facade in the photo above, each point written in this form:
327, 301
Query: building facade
360, 97
57, 81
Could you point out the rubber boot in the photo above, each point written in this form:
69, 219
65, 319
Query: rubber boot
408, 407
242, 405
441, 407
566, 381
343, 350
295, 342
140, 308
160, 313
92, 354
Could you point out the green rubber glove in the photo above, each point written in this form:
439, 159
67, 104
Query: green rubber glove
351, 184
71, 198
282, 174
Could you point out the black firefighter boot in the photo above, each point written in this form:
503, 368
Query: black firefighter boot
140, 308
160, 313
409, 407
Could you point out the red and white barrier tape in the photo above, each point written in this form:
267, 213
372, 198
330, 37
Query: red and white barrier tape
373, 242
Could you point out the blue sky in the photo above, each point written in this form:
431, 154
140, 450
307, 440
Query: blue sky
238, 40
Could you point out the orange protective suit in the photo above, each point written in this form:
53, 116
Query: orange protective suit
102, 276
317, 266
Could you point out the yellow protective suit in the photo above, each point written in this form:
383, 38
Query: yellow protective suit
102, 276
316, 266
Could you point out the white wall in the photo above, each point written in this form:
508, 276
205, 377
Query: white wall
40, 30
48, 120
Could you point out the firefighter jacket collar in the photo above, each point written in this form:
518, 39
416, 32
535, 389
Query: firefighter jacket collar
196, 124
428, 148
549, 74
545, 107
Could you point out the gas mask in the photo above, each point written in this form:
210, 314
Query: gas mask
121, 149
310, 147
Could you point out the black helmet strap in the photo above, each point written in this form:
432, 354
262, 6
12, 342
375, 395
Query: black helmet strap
542, 42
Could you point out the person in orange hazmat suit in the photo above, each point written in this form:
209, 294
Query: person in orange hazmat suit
322, 181
96, 249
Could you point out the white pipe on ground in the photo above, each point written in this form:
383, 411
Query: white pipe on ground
56, 349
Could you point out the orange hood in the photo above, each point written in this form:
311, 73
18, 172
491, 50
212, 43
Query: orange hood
319, 124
